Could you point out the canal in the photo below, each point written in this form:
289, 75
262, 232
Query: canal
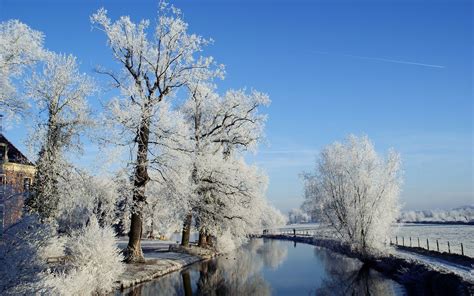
273, 267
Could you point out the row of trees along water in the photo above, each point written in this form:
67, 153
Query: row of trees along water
172, 151
176, 146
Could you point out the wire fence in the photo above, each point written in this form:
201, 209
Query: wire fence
408, 242
436, 245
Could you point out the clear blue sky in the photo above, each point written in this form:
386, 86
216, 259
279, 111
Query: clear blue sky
398, 71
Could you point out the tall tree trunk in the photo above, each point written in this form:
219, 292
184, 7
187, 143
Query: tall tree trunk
209, 240
133, 253
202, 239
186, 230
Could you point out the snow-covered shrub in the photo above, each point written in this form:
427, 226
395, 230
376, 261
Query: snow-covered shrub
225, 242
52, 247
21, 263
93, 262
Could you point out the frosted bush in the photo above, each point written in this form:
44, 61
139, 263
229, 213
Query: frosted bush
21, 264
225, 242
94, 262
53, 247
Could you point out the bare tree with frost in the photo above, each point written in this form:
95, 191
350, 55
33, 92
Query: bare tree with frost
357, 192
60, 92
153, 68
221, 127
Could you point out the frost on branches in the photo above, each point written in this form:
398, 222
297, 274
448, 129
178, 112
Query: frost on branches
60, 92
229, 195
20, 47
356, 191
84, 197
152, 69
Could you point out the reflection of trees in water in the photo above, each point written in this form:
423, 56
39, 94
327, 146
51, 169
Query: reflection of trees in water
273, 252
230, 279
238, 273
347, 276
167, 285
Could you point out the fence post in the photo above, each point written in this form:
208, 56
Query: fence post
449, 248
418, 241
437, 245
403, 240
427, 244
410, 241
294, 232
462, 250
396, 240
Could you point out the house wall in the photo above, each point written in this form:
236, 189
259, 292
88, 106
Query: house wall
14, 189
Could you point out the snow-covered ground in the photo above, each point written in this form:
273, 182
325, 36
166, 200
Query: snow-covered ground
158, 262
148, 245
438, 263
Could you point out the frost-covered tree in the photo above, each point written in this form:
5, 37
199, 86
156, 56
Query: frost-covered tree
357, 191
153, 68
272, 217
124, 187
228, 194
297, 216
20, 47
232, 199
84, 197
60, 92
166, 206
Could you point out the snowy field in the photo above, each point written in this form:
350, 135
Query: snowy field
455, 234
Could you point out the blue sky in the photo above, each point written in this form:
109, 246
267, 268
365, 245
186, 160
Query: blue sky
398, 71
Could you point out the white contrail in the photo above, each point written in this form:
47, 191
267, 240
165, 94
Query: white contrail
382, 59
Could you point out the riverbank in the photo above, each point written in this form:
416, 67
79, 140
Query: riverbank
417, 277
160, 261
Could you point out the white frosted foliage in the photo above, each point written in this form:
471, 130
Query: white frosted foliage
356, 191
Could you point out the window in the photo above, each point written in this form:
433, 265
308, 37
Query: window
26, 184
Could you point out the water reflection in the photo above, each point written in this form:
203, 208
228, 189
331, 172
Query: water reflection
346, 276
271, 267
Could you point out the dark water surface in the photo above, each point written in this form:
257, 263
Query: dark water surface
273, 267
